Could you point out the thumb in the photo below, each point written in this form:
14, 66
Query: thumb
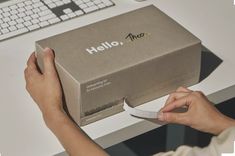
171, 117
48, 61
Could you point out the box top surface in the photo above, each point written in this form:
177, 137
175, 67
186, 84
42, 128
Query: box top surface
111, 45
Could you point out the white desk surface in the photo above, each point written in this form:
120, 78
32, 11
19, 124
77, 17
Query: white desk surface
22, 130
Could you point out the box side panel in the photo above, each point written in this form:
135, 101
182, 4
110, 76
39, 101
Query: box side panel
71, 88
39, 52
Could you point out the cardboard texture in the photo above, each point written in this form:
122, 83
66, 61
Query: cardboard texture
141, 55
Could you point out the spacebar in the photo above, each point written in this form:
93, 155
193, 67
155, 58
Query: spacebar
13, 33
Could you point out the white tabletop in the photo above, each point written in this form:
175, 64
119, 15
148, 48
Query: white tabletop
22, 130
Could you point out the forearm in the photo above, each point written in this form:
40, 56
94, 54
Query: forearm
73, 139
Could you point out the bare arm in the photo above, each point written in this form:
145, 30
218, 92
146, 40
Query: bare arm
46, 91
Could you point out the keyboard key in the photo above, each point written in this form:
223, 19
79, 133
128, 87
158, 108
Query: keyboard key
36, 5
71, 15
90, 4
66, 1
92, 8
79, 12
4, 25
107, 2
13, 11
7, 19
101, 5
67, 11
29, 12
13, 7
12, 28
97, 1
47, 17
33, 27
12, 23
43, 8
20, 26
34, 16
6, 9
6, 14
78, 2
45, 12
35, 21
64, 17
27, 2
21, 9
27, 18
13, 33
59, 3
4, 31
27, 23
48, 1
19, 20
82, 6
54, 20
20, 4
13, 17
21, 14
44, 23
36, 10
52, 5
28, 7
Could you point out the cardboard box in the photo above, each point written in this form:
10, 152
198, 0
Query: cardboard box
141, 55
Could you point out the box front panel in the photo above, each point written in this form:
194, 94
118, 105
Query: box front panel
141, 83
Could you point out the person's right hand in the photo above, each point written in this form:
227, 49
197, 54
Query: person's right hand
201, 113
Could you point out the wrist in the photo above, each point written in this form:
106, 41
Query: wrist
224, 123
52, 118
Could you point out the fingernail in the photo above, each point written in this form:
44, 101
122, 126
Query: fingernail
160, 116
47, 49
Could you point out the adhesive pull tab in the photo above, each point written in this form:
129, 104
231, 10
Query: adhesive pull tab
139, 113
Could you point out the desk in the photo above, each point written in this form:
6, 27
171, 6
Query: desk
22, 130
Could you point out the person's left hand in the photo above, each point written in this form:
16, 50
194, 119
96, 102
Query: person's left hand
44, 88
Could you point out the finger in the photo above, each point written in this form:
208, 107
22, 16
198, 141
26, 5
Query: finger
31, 74
183, 89
179, 118
31, 68
31, 63
180, 102
48, 61
176, 95
29, 79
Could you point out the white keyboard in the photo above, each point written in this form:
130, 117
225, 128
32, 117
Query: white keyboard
29, 15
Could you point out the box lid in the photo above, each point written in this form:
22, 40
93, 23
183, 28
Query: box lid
114, 44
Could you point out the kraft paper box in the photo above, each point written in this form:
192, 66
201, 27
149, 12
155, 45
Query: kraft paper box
140, 55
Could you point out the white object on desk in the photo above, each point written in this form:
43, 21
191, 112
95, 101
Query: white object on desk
138, 112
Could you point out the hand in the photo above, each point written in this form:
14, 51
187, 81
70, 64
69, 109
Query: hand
46, 91
44, 88
201, 113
